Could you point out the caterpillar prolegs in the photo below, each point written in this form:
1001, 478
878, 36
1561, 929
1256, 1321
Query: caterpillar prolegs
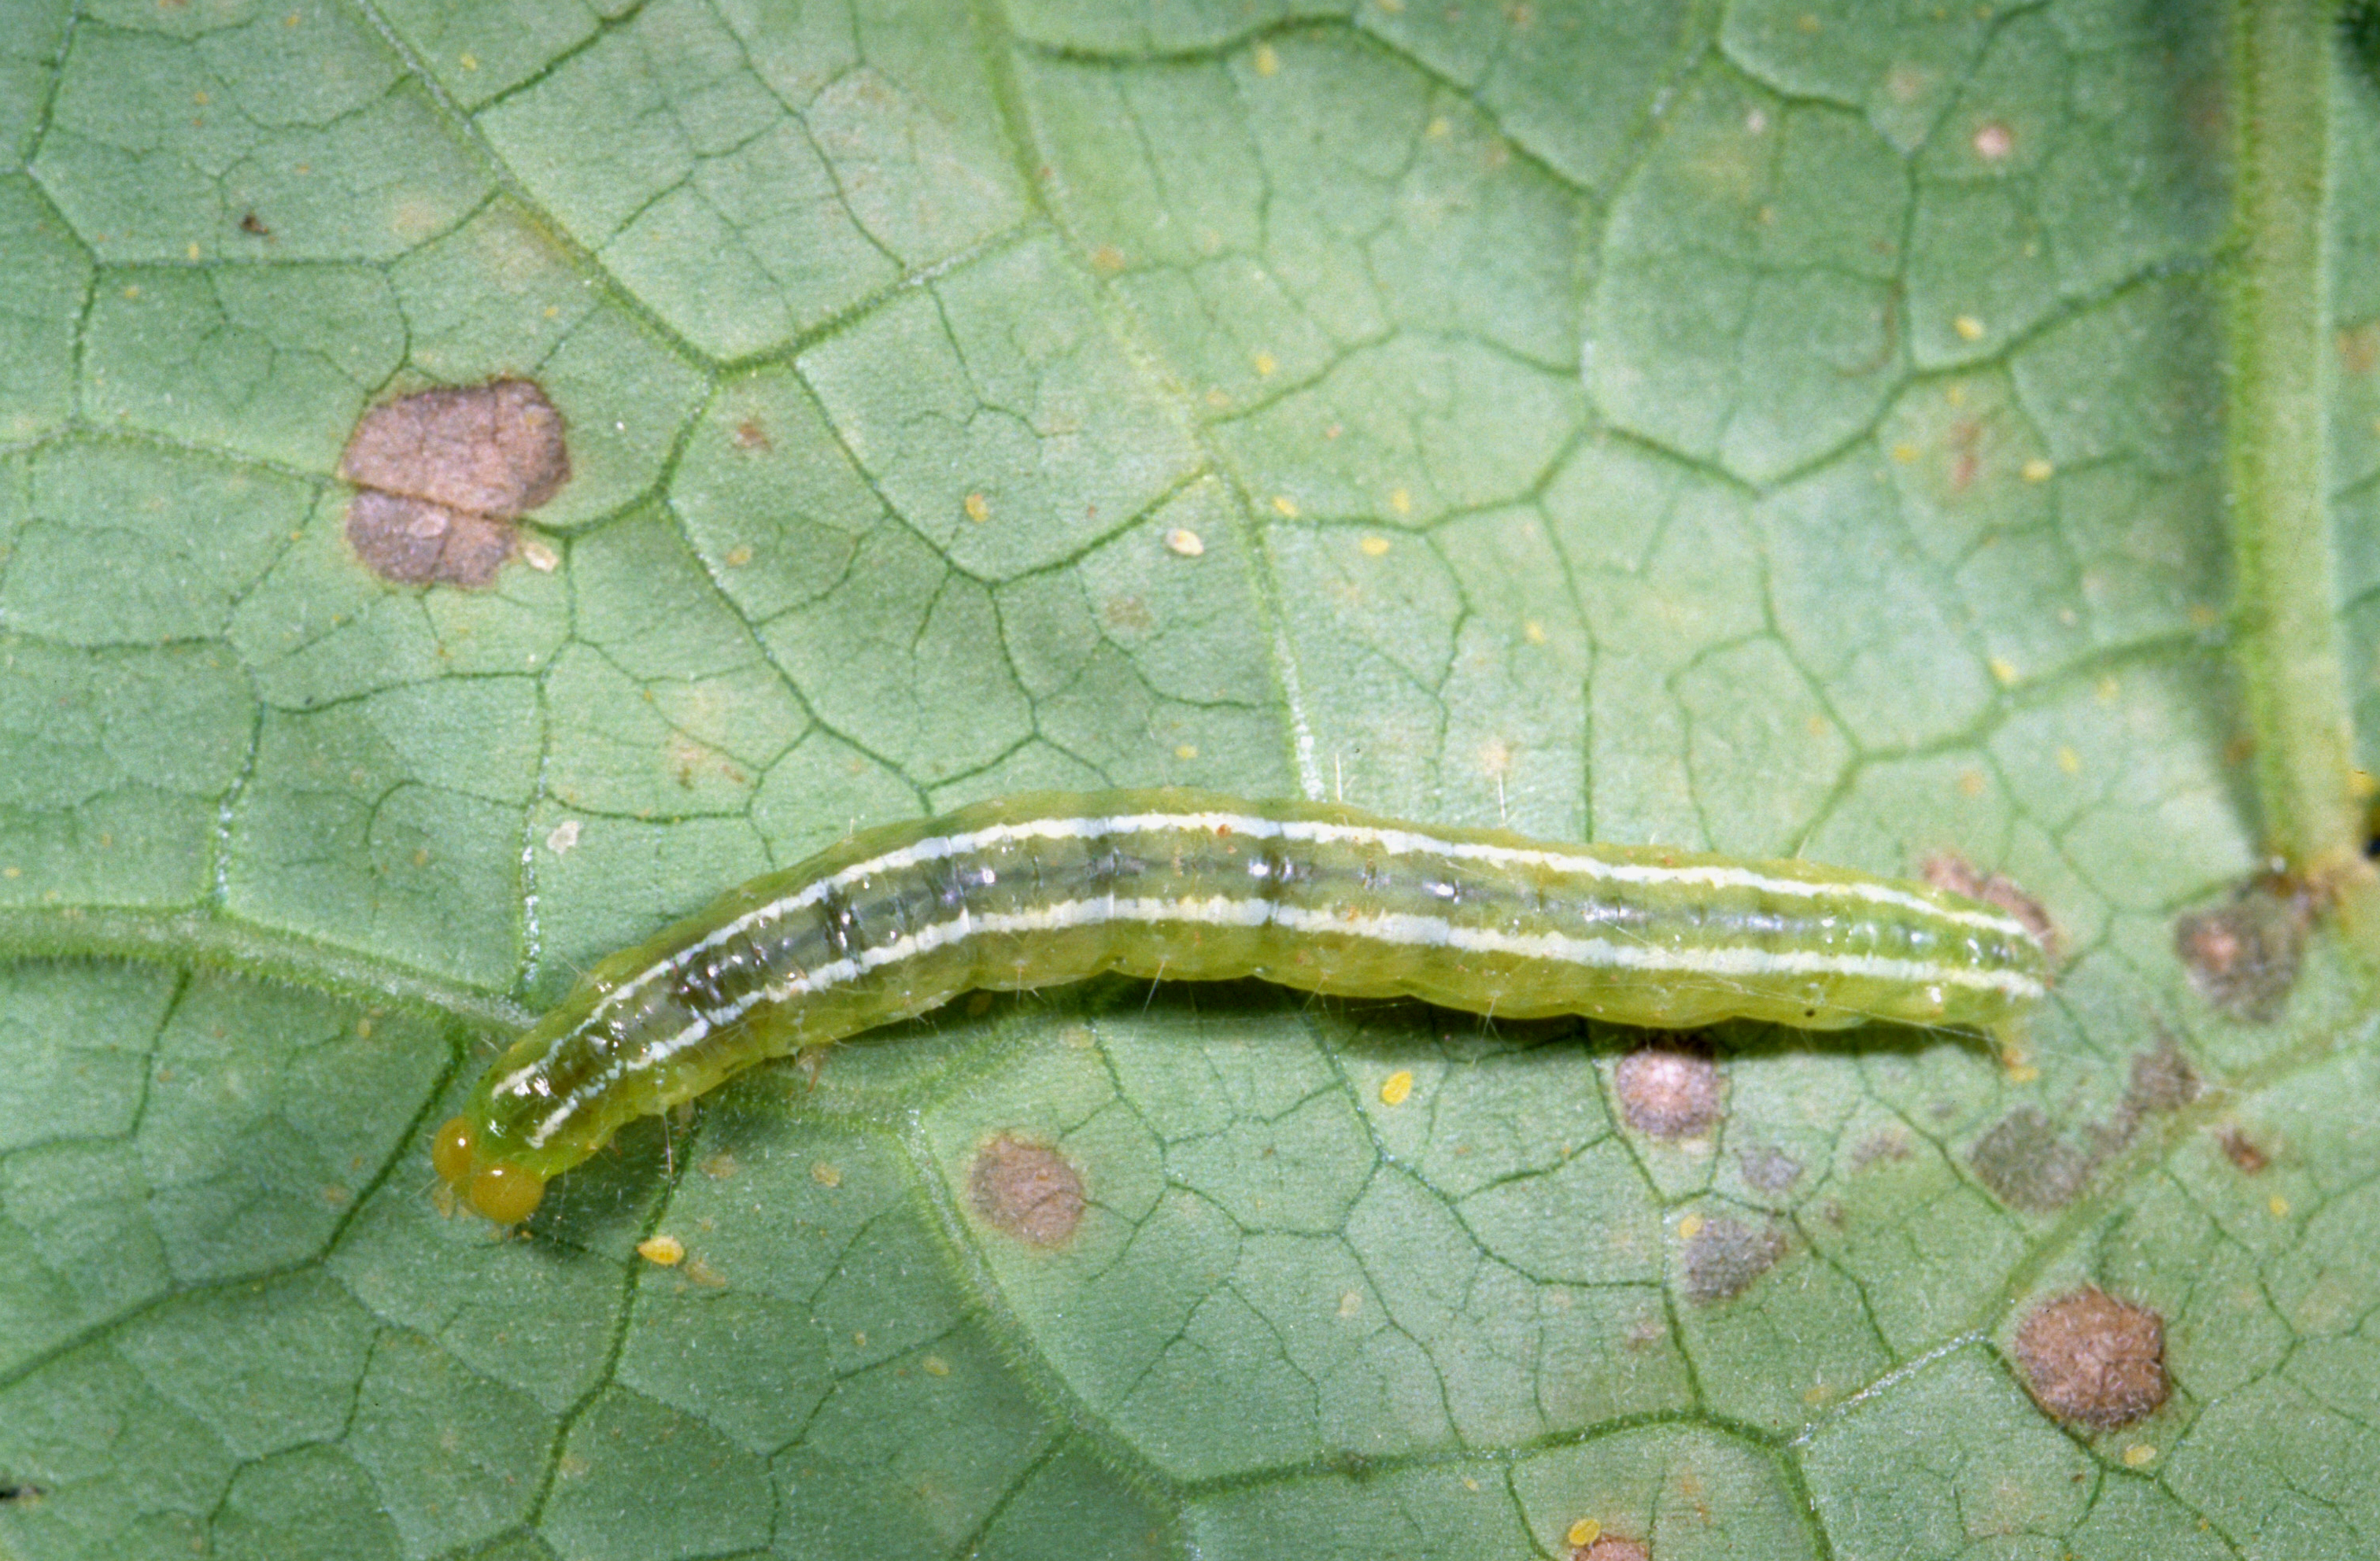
1049, 888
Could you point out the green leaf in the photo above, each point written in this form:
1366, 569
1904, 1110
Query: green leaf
1778, 428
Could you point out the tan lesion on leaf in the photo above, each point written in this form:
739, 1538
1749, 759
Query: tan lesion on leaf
442, 474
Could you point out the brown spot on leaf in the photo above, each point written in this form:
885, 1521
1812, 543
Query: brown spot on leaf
2163, 1080
1769, 1168
2092, 1360
444, 472
2028, 1164
750, 435
2243, 1150
1725, 1256
1955, 875
1028, 1189
1666, 1092
255, 225
2243, 958
1612, 1547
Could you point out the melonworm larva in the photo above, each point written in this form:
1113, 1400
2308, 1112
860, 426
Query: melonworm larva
1051, 887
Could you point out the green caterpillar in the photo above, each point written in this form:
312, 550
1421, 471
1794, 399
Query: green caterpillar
1049, 888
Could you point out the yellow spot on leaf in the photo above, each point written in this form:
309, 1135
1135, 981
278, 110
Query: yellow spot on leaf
1904, 452
738, 556
1401, 501
2361, 786
2108, 690
2139, 1455
1971, 783
192, 251
1107, 259
1437, 129
1970, 328
935, 1366
667, 1251
826, 1175
1186, 751
1373, 547
1285, 506
1585, 1531
1266, 363
540, 557
2278, 1205
1350, 1305
702, 1273
1689, 1227
1187, 543
562, 837
468, 62
2038, 470
2069, 762
1268, 63
1394, 8
1396, 1087
1533, 632
2003, 669
978, 510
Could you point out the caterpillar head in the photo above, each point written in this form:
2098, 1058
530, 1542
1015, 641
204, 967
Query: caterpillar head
504, 1191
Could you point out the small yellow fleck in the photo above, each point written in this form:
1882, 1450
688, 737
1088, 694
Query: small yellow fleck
2139, 1455
738, 556
2108, 690
935, 1366
1813, 1397
1971, 783
1285, 506
468, 62
1469, 1483
1107, 259
1268, 63
1437, 129
2038, 470
702, 1273
1815, 724
1904, 452
1187, 543
12, 872
421, 857
826, 1175
292, 20
1266, 363
1970, 328
2022, 1073
976, 509
1955, 396
1806, 22
2361, 786
363, 1029
1396, 1087
1585, 1531
1373, 547
2069, 761
859, 1339
1401, 501
2003, 669
133, 291
1219, 399
1186, 752
192, 251
1689, 1227
1394, 8
1350, 1305
2203, 616
667, 1251
2278, 1205
1533, 632
540, 557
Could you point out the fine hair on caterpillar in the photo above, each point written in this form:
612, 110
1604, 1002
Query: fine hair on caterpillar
1050, 888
